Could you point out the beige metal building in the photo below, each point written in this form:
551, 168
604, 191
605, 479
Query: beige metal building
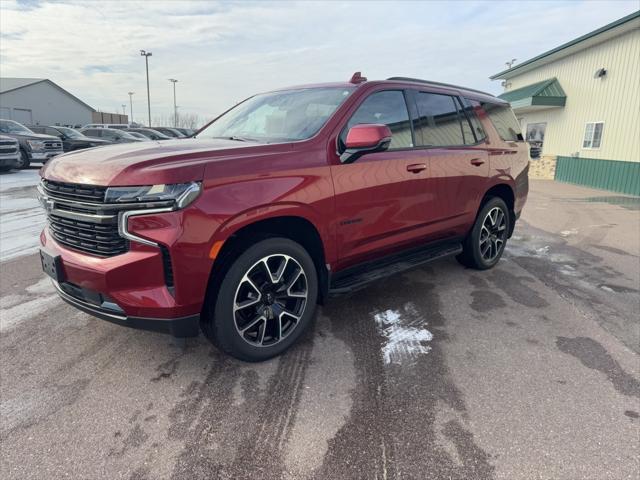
579, 107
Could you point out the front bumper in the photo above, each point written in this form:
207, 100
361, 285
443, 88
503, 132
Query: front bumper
188, 326
127, 289
35, 156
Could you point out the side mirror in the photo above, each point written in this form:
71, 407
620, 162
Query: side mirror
365, 138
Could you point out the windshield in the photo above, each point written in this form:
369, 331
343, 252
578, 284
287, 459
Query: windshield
9, 126
279, 116
70, 132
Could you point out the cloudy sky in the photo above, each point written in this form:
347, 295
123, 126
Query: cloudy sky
222, 52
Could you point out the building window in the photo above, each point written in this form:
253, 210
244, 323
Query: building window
593, 135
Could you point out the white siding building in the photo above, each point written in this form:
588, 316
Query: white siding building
38, 101
580, 104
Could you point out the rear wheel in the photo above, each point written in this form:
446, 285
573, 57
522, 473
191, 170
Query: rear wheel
265, 301
485, 244
23, 161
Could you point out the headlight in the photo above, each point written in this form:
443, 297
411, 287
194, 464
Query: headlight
181, 193
36, 144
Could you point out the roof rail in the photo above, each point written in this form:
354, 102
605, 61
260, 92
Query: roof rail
428, 82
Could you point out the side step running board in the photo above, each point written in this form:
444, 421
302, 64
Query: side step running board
360, 276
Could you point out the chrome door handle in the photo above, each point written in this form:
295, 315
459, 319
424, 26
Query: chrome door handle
416, 167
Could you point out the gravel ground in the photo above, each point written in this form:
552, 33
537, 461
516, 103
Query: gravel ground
530, 370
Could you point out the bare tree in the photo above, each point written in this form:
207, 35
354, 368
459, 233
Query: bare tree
185, 120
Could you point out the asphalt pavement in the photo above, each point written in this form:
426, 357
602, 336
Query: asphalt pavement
527, 371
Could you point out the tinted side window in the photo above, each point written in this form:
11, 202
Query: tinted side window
390, 109
52, 131
504, 120
37, 129
438, 121
93, 132
471, 108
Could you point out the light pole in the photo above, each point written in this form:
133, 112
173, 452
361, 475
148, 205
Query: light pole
175, 108
146, 56
131, 105
124, 112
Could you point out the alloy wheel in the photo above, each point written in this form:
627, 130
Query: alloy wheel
270, 300
493, 234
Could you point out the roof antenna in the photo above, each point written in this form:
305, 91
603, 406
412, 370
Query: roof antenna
357, 78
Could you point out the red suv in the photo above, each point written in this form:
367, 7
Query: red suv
283, 200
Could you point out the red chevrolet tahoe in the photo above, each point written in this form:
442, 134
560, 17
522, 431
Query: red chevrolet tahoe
283, 200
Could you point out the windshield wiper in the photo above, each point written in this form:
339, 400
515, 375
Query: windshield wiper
238, 138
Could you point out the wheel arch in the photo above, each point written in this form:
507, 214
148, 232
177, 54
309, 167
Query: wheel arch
241, 235
506, 193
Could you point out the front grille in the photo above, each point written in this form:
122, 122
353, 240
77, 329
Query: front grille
72, 191
8, 147
98, 239
4, 150
79, 218
52, 145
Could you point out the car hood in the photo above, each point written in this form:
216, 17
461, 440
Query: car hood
144, 163
34, 136
88, 140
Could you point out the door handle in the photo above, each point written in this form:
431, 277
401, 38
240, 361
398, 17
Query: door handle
477, 162
416, 167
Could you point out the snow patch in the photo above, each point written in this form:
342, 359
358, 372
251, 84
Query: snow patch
21, 217
16, 308
567, 233
404, 337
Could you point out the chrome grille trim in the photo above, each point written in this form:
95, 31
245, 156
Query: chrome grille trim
92, 226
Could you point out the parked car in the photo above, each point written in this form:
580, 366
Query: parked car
9, 153
138, 135
34, 147
187, 132
287, 198
110, 134
71, 139
149, 133
170, 132
118, 126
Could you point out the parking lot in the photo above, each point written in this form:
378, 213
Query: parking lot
530, 370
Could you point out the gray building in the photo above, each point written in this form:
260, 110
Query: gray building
39, 101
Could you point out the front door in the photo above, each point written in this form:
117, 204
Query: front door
381, 197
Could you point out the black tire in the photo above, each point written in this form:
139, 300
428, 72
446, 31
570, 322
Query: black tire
23, 161
483, 248
5, 169
223, 322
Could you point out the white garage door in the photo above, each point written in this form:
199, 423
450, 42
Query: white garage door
22, 116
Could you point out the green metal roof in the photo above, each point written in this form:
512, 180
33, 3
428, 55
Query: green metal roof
573, 42
547, 93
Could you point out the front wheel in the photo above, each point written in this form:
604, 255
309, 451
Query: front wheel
265, 302
485, 244
23, 161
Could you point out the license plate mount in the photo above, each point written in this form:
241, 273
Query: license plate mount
52, 266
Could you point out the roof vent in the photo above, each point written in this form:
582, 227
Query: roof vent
357, 78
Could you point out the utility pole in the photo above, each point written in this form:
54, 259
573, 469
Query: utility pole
146, 56
131, 105
175, 108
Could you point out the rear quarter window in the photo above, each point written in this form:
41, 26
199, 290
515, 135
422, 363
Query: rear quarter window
504, 121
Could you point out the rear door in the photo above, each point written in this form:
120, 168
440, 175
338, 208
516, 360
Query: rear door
458, 161
381, 197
